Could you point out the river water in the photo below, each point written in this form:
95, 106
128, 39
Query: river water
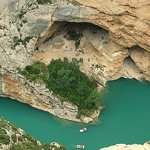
125, 119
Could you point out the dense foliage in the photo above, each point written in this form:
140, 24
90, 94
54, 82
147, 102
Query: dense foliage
68, 82
4, 138
44, 1
36, 72
72, 35
31, 146
73, 85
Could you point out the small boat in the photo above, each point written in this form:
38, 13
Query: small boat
80, 146
82, 130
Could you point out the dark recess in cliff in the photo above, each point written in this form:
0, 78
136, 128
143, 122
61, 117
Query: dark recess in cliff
71, 26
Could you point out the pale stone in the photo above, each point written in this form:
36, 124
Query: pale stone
127, 24
86, 119
145, 146
55, 144
142, 60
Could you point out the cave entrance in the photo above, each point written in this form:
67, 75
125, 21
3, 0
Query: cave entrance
49, 33
71, 40
83, 42
131, 70
74, 31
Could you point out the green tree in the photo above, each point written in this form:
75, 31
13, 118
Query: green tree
67, 81
93, 100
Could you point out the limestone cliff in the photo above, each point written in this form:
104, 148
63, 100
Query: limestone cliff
30, 31
38, 96
145, 146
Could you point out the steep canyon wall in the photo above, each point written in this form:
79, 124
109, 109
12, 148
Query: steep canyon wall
121, 47
38, 96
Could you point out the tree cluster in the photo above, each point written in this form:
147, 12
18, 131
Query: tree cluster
66, 80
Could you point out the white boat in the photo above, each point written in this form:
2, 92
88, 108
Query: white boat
80, 146
82, 130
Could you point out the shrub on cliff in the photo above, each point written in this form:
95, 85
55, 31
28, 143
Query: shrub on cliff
70, 83
66, 80
23, 141
44, 2
36, 72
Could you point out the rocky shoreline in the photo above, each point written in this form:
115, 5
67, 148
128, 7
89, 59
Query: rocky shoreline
15, 137
145, 146
20, 34
31, 32
118, 45
15, 86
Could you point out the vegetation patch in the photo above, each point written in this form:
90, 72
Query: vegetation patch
68, 82
24, 21
29, 4
18, 41
72, 35
21, 14
4, 138
37, 72
21, 142
75, 3
2, 27
44, 2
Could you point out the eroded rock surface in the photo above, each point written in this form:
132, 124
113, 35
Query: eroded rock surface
145, 146
127, 21
141, 58
37, 95
121, 50
24, 25
107, 54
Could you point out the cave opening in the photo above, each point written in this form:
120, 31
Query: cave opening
141, 59
83, 42
131, 69
72, 40
130, 60
74, 30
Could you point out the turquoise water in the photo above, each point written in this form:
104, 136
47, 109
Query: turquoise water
125, 119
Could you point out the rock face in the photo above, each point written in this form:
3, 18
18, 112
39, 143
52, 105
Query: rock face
38, 96
127, 28
127, 21
145, 146
142, 59
119, 49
